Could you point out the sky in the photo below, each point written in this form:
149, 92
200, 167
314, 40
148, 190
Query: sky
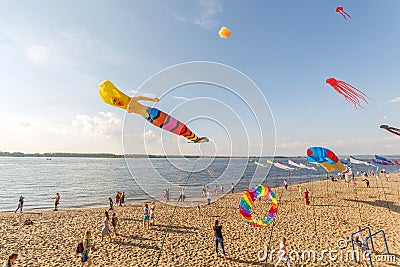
54, 55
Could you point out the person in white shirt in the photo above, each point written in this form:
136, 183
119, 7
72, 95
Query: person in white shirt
282, 255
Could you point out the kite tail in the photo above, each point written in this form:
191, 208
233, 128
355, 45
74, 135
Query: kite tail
351, 93
346, 14
169, 123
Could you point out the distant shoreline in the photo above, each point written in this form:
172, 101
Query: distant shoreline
110, 155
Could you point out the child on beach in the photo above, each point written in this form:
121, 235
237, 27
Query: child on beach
306, 198
20, 203
11, 260
282, 253
152, 215
106, 227
300, 189
146, 216
358, 238
115, 223
218, 239
87, 246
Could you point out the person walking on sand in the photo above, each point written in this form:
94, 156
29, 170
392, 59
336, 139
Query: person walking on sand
282, 253
152, 215
111, 203
232, 188
11, 260
87, 247
146, 216
285, 182
221, 187
198, 208
366, 182
106, 227
115, 223
56, 201
20, 203
208, 197
218, 239
215, 191
306, 197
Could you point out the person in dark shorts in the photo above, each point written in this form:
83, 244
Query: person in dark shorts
218, 239
56, 201
115, 223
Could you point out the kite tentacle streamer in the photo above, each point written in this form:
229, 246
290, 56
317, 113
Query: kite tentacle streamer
351, 93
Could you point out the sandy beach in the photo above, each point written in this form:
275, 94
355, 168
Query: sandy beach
336, 212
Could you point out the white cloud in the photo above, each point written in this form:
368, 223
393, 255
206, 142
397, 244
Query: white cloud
106, 125
394, 100
205, 18
150, 137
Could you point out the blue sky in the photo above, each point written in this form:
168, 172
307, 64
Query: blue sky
54, 55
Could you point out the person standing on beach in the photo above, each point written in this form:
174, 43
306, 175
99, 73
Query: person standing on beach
115, 223
87, 246
358, 238
122, 201
152, 215
300, 189
56, 201
306, 197
117, 198
146, 216
218, 239
282, 253
111, 203
11, 260
20, 203
285, 182
208, 197
215, 191
106, 227
221, 187
232, 188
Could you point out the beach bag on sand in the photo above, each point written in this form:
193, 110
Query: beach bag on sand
79, 248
